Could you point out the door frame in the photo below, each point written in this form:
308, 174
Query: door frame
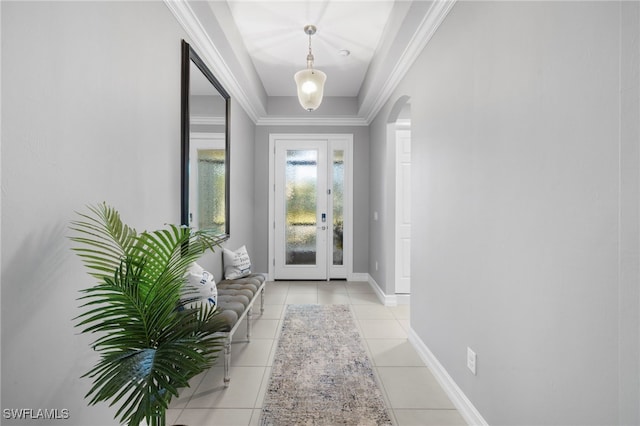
346, 140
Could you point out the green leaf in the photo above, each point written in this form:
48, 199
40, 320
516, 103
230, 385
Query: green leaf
148, 347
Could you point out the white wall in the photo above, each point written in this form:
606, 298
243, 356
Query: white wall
90, 113
525, 243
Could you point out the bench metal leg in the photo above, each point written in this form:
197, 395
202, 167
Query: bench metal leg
227, 341
227, 361
249, 315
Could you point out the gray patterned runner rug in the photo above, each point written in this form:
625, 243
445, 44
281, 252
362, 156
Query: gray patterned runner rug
321, 374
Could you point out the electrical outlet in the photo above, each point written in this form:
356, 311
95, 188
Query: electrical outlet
471, 360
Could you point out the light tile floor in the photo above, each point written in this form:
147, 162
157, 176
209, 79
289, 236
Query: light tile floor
411, 393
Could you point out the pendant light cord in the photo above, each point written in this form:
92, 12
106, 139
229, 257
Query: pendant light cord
310, 55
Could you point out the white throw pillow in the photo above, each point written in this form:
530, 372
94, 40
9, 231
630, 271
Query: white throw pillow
236, 263
201, 284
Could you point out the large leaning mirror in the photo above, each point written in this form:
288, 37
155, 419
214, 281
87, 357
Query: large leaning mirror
205, 148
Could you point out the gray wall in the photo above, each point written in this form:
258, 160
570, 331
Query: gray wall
382, 215
331, 106
360, 184
525, 207
242, 183
90, 113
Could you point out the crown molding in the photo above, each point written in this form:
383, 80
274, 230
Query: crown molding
207, 50
311, 121
375, 100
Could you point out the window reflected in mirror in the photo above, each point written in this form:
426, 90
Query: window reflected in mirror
205, 146
210, 181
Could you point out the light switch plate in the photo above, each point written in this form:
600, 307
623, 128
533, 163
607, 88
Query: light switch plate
471, 360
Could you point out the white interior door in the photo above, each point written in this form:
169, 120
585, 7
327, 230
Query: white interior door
311, 207
403, 211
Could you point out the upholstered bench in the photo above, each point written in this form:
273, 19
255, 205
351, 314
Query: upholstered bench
234, 303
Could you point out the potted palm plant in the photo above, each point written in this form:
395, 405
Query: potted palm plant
149, 339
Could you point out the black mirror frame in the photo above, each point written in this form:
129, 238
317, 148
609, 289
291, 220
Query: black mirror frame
189, 55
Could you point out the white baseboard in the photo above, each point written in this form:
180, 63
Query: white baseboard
466, 409
383, 298
388, 299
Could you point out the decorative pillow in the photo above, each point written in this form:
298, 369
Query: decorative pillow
236, 263
202, 285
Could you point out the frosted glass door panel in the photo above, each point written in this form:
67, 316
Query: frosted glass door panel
337, 193
301, 188
301, 221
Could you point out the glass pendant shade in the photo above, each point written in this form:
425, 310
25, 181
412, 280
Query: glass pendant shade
310, 84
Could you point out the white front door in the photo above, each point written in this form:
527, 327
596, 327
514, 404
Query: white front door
311, 207
301, 210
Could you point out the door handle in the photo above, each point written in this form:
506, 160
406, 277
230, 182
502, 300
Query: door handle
322, 227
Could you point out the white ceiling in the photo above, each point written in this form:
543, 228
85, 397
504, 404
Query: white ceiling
254, 47
273, 35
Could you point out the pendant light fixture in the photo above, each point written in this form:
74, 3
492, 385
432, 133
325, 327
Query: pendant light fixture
310, 81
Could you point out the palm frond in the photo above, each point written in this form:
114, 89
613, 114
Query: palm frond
105, 239
149, 345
